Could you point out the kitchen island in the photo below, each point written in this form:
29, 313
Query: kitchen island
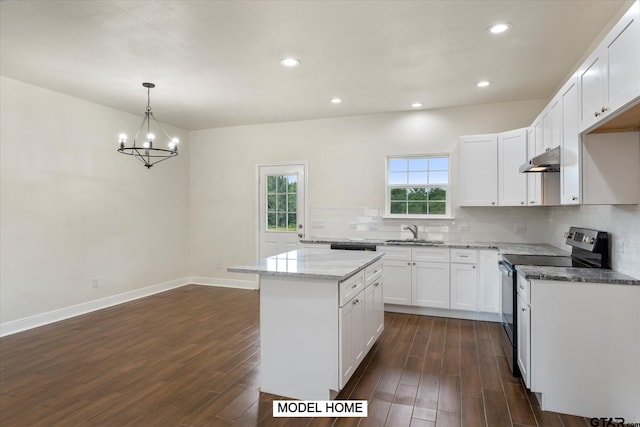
321, 311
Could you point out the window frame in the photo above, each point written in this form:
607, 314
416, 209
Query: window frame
388, 187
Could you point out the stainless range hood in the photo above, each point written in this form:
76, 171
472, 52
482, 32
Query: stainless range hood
549, 161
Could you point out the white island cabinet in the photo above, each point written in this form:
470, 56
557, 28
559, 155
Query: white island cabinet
321, 311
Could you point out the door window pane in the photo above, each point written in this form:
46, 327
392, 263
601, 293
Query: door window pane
282, 202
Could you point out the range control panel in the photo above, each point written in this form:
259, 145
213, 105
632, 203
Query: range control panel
585, 238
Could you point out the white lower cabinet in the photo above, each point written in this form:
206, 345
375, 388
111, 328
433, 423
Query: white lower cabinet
523, 316
464, 287
353, 346
489, 282
397, 282
374, 311
430, 284
361, 318
442, 278
464, 279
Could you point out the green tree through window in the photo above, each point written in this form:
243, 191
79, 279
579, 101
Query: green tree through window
417, 186
282, 202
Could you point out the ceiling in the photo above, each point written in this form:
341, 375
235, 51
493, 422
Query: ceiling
217, 63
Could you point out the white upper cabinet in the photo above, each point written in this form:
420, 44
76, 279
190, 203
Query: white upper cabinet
570, 144
534, 180
610, 78
478, 170
512, 152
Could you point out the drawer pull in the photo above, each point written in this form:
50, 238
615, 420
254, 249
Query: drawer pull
356, 302
355, 285
524, 309
463, 256
376, 284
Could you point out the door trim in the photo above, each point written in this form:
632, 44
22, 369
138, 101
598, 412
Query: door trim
256, 199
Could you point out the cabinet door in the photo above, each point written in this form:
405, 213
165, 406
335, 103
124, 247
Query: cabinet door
622, 47
489, 282
524, 340
346, 344
374, 312
358, 331
534, 180
464, 287
478, 170
555, 114
591, 89
397, 283
570, 145
430, 284
512, 153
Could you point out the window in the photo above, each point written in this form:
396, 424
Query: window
417, 186
282, 201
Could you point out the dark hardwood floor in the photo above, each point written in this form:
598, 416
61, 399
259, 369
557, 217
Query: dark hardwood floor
190, 357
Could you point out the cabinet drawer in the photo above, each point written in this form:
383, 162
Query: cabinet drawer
372, 272
431, 254
351, 287
395, 253
464, 256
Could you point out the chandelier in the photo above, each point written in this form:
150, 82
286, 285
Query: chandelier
146, 152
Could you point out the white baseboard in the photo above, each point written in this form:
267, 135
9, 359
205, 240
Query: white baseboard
19, 325
226, 283
31, 322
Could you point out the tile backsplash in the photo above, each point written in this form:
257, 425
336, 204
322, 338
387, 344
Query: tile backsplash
502, 224
518, 225
622, 222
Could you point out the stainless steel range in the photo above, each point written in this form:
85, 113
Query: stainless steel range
589, 249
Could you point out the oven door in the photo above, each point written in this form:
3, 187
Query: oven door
509, 341
508, 276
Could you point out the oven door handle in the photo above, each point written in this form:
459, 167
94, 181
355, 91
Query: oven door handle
506, 269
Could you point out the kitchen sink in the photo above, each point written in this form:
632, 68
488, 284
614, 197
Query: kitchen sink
417, 241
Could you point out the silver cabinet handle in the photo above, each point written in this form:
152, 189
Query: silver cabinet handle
522, 203
603, 109
533, 202
376, 284
355, 285
597, 113
463, 256
574, 198
356, 302
524, 309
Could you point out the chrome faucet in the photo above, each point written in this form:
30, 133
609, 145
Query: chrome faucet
413, 229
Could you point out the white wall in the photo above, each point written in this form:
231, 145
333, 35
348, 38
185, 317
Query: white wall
346, 170
73, 208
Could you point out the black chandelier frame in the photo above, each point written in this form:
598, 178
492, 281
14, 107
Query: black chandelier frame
147, 153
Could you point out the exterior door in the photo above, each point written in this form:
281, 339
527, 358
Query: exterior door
281, 215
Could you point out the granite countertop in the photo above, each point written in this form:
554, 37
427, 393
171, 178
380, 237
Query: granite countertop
312, 263
575, 274
567, 274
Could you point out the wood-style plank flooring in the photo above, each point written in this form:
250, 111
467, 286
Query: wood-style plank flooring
190, 357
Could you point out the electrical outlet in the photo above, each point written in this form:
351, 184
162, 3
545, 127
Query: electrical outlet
521, 229
95, 282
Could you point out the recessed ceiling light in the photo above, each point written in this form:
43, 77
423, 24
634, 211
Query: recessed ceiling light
290, 62
498, 28
336, 100
416, 104
483, 83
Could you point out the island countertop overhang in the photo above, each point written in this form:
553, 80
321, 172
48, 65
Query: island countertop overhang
326, 264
